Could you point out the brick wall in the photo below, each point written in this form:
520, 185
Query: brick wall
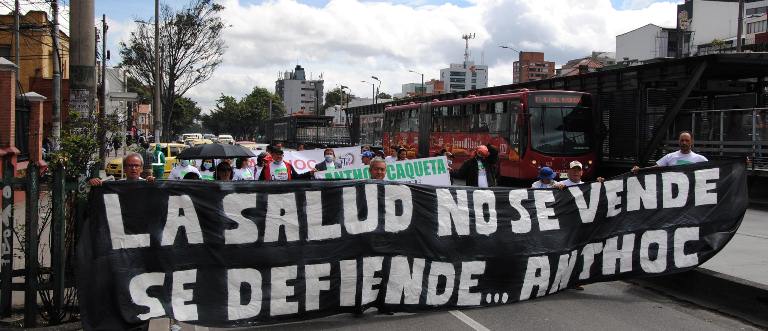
44, 87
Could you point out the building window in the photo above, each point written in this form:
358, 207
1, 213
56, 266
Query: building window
458, 73
756, 27
5, 51
457, 86
457, 80
474, 74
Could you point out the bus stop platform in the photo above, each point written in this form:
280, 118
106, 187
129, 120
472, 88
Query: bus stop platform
735, 281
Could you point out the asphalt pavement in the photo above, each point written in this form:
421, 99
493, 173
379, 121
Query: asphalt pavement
604, 306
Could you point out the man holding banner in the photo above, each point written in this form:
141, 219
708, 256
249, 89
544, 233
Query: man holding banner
477, 171
280, 170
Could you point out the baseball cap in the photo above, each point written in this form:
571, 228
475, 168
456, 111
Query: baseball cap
368, 154
546, 172
575, 164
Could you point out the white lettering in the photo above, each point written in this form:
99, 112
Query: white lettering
484, 225
536, 275
180, 296
348, 287
589, 252
612, 190
466, 283
657, 238
437, 270
611, 253
354, 222
670, 180
371, 265
246, 231
236, 278
312, 274
564, 270
138, 287
682, 236
450, 211
703, 186
315, 228
279, 304
523, 224
392, 221
404, 285
181, 214
636, 193
281, 214
587, 211
543, 213
117, 235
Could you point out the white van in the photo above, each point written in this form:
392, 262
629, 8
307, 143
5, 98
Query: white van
191, 136
226, 139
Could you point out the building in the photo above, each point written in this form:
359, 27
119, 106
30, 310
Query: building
650, 42
36, 63
431, 87
755, 25
35, 48
464, 76
531, 66
120, 102
709, 22
586, 64
142, 119
299, 95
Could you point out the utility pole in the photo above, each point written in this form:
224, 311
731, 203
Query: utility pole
16, 31
740, 28
56, 121
157, 107
102, 105
82, 64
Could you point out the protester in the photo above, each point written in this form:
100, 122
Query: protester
476, 171
146, 154
682, 156
116, 143
380, 154
448, 155
224, 171
207, 170
575, 171
242, 171
184, 167
402, 154
329, 161
158, 161
546, 178
281, 170
366, 157
365, 148
260, 162
300, 147
132, 166
378, 168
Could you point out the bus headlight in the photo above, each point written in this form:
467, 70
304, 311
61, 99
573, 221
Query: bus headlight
533, 162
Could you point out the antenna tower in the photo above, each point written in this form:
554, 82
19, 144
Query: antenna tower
466, 38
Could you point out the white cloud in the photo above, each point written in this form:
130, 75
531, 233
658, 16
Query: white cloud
349, 40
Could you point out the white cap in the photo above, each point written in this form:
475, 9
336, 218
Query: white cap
575, 164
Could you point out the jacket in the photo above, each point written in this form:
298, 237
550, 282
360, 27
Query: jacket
323, 167
469, 170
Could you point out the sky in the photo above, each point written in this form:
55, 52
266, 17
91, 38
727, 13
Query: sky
347, 41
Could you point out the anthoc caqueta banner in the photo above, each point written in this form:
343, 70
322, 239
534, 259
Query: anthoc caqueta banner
243, 253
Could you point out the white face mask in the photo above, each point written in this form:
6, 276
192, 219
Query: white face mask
184, 163
329, 158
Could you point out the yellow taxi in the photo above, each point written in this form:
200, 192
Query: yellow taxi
171, 150
196, 142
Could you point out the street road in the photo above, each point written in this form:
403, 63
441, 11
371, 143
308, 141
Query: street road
604, 306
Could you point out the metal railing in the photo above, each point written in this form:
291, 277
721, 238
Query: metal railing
725, 133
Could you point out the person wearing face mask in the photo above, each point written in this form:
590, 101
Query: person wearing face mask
329, 161
242, 170
207, 170
182, 169
280, 170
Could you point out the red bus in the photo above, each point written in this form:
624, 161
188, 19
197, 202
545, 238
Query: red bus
530, 129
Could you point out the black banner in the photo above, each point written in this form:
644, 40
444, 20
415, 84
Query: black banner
241, 253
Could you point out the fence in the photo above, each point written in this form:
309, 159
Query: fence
46, 239
724, 133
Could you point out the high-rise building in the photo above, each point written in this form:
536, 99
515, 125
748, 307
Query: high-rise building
464, 76
299, 95
531, 66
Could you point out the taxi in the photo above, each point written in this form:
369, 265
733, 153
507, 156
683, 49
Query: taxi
171, 150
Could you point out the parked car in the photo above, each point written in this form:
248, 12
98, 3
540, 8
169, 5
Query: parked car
190, 136
226, 139
115, 166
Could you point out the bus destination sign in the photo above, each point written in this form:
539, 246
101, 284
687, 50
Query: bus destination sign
557, 99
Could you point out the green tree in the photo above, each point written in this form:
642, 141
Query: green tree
191, 48
337, 96
242, 118
383, 95
185, 115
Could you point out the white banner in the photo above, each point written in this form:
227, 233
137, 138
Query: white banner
302, 161
429, 171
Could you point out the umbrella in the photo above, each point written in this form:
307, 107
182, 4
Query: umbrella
215, 151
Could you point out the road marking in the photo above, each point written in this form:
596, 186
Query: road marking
468, 321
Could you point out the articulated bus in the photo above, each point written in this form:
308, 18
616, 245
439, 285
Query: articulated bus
530, 129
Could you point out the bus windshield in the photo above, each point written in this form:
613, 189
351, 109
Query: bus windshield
557, 129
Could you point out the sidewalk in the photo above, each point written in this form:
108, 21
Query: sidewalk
746, 256
735, 281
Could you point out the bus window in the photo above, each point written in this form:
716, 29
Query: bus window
514, 109
413, 120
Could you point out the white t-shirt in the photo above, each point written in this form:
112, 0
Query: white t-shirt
330, 165
242, 174
678, 158
179, 171
279, 171
482, 177
207, 175
569, 182
539, 184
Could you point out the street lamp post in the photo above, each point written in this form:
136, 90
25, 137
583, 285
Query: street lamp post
373, 90
376, 96
423, 91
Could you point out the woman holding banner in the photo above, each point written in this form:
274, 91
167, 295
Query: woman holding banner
280, 170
